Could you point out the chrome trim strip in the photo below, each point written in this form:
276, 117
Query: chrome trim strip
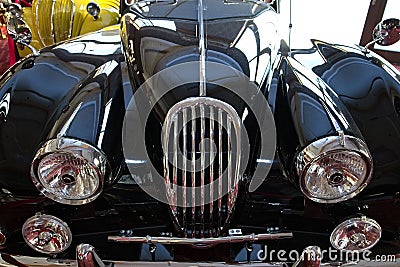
185, 159
166, 168
220, 170
202, 163
193, 185
53, 3
175, 162
229, 133
37, 21
202, 241
202, 49
211, 163
71, 25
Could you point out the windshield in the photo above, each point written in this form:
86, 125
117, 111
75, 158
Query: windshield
187, 9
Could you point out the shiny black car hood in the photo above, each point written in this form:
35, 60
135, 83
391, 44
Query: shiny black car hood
188, 9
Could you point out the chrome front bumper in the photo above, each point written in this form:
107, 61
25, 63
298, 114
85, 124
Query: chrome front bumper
86, 256
200, 242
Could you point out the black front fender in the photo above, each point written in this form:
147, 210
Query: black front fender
38, 91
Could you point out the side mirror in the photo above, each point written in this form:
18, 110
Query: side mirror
15, 10
20, 32
387, 32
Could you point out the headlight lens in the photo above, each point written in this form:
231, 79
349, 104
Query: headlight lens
356, 234
334, 169
69, 171
47, 234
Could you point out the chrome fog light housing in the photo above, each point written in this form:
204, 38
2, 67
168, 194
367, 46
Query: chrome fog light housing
47, 234
69, 171
334, 168
356, 234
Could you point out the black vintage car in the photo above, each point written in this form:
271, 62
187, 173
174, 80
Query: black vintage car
192, 133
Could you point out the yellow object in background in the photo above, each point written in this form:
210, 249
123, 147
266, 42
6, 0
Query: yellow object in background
55, 21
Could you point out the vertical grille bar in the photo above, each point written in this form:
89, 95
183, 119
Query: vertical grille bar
166, 163
229, 187
220, 170
193, 171
202, 160
184, 171
175, 164
211, 164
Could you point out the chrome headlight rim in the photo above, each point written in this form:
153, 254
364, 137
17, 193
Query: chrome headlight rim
354, 221
325, 147
66, 145
61, 226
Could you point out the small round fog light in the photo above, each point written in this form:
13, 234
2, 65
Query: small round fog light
47, 234
356, 234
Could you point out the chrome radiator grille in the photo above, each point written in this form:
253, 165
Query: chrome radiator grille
201, 142
54, 20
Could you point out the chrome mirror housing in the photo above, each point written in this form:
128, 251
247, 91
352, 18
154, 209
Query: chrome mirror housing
20, 32
15, 10
387, 32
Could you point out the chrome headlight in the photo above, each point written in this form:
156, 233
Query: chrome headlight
47, 234
356, 234
334, 169
69, 171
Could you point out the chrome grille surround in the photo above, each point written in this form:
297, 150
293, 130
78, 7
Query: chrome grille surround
202, 181
58, 25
